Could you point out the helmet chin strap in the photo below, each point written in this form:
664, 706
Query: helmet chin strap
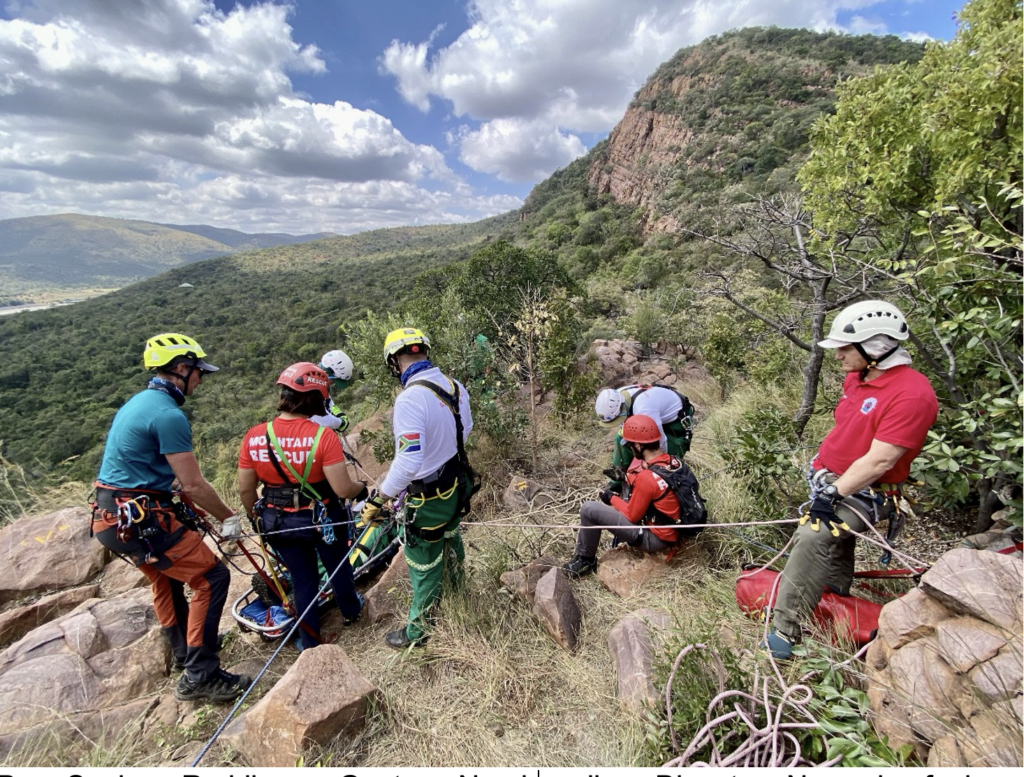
873, 361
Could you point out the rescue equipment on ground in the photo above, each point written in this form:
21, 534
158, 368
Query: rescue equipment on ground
847, 618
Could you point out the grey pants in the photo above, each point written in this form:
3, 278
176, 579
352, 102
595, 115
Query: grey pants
600, 514
817, 559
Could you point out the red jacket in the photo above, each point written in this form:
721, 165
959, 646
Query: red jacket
648, 489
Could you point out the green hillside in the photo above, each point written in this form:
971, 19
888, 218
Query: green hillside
254, 313
73, 252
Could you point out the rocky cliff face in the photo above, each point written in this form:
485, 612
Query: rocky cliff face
730, 111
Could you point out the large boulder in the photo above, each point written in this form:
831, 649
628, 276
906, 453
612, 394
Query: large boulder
101, 655
631, 642
388, 596
17, 622
48, 553
556, 608
945, 674
523, 582
523, 494
322, 696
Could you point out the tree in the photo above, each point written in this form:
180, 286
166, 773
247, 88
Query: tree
777, 232
930, 155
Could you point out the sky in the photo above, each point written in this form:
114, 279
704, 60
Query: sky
342, 115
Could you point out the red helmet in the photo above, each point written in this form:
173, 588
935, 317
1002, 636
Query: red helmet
305, 376
640, 428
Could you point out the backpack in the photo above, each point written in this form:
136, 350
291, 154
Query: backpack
683, 483
685, 416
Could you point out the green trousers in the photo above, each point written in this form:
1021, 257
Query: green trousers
678, 445
817, 559
431, 561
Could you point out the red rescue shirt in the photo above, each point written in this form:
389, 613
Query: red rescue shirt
897, 407
295, 436
647, 488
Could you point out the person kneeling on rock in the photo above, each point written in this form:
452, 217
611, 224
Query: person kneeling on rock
663, 499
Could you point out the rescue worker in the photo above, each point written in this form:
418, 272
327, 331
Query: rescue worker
148, 448
304, 477
881, 423
339, 369
431, 422
671, 411
643, 521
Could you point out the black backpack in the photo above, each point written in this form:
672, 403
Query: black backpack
683, 483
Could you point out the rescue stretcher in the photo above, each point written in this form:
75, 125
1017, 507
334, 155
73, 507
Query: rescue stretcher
261, 608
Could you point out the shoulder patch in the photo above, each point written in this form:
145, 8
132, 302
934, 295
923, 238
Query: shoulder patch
409, 443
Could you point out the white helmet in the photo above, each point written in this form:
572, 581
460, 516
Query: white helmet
863, 320
337, 365
609, 406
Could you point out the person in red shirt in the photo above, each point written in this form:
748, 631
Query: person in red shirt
304, 479
650, 500
882, 421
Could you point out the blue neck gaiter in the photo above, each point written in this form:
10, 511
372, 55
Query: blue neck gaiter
159, 384
415, 369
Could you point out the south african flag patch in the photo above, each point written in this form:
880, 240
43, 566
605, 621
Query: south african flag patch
409, 443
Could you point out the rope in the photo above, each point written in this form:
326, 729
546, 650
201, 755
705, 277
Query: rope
284, 641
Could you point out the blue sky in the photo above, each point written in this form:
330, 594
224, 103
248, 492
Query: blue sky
342, 115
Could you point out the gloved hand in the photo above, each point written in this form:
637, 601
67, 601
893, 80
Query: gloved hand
606, 496
615, 486
364, 493
614, 473
822, 511
231, 528
328, 421
342, 417
371, 510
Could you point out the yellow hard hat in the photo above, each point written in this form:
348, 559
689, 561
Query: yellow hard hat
161, 350
404, 340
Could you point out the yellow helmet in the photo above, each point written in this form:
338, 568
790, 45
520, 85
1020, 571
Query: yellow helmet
161, 350
405, 340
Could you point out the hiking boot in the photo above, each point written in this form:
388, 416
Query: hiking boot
351, 621
399, 640
178, 664
779, 645
580, 566
220, 686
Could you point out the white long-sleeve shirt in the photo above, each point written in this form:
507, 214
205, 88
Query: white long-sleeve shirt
424, 431
657, 402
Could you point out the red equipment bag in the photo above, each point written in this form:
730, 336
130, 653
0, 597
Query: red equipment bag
846, 617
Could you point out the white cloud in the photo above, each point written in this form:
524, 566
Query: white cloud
558, 67
170, 110
517, 150
917, 37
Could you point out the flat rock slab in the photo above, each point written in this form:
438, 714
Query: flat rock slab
48, 553
16, 623
120, 576
523, 581
985, 585
626, 571
631, 642
321, 697
556, 608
